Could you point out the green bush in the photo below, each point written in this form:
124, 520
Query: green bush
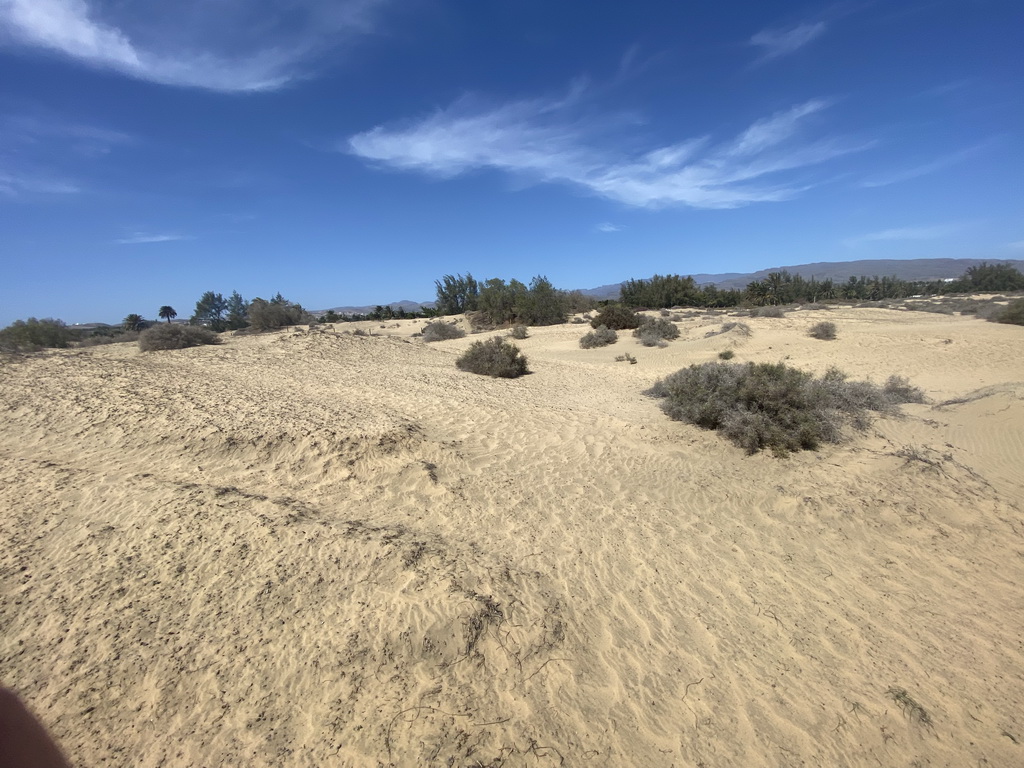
1012, 313
654, 332
726, 354
601, 337
494, 357
771, 405
617, 318
167, 336
32, 334
825, 331
266, 315
518, 332
439, 330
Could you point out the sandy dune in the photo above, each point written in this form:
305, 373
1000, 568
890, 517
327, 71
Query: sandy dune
310, 548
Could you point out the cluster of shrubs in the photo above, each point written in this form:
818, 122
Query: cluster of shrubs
771, 405
602, 336
167, 336
32, 335
494, 357
439, 330
656, 332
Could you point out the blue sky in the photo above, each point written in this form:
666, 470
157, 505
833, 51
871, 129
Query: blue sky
348, 152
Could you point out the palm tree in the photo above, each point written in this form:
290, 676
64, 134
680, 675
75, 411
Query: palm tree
133, 322
167, 313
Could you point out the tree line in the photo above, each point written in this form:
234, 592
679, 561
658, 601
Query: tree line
495, 302
784, 287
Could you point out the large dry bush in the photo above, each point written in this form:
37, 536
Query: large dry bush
825, 330
602, 336
439, 330
494, 357
771, 405
167, 336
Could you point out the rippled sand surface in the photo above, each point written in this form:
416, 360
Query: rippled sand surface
312, 548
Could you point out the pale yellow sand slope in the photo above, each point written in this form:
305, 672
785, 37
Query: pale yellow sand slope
320, 549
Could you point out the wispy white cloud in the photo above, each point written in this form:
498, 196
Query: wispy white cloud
541, 141
137, 238
784, 41
45, 137
906, 233
938, 164
252, 46
951, 86
607, 226
19, 184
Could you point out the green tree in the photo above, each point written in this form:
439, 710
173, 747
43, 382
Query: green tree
992, 277
238, 312
276, 313
497, 300
210, 311
167, 313
541, 304
660, 291
133, 322
456, 294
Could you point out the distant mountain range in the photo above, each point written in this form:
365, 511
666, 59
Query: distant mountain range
408, 306
837, 271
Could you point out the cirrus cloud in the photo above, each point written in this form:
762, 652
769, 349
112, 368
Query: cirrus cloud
541, 141
254, 46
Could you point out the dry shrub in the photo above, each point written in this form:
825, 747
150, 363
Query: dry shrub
740, 329
169, 336
494, 357
518, 332
771, 311
601, 337
655, 332
1012, 313
771, 405
899, 390
441, 331
825, 330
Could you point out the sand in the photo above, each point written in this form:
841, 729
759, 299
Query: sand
312, 548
